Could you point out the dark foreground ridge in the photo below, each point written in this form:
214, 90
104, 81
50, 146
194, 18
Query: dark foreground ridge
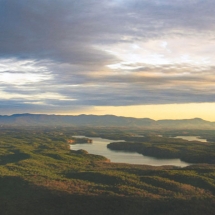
106, 120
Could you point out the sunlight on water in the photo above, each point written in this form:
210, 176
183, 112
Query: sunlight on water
99, 147
192, 138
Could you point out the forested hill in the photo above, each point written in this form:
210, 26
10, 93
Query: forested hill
106, 120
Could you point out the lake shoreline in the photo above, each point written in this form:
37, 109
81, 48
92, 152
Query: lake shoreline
99, 147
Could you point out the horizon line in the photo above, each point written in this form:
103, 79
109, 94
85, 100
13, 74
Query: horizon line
53, 114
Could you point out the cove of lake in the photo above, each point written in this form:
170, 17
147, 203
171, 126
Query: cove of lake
192, 138
99, 147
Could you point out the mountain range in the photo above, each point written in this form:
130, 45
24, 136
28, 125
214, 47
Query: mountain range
105, 120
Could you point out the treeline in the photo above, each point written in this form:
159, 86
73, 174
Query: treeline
163, 147
39, 174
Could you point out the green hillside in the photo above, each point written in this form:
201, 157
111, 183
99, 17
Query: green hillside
40, 175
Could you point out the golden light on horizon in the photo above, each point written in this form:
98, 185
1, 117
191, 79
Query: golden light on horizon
165, 111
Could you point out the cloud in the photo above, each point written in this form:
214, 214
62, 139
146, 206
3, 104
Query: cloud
68, 54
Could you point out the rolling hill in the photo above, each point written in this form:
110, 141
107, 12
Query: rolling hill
105, 120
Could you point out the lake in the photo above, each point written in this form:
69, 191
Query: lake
192, 138
99, 147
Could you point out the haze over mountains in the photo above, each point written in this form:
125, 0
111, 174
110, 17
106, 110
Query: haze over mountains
105, 120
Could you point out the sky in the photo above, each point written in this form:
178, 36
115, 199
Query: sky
139, 58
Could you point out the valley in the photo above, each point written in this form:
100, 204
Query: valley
39, 174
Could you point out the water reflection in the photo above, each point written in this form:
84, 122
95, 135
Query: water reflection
192, 138
99, 147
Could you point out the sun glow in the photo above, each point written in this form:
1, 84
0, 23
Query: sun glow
161, 52
167, 111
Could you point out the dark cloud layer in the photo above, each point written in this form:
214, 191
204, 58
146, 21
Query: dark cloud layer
66, 30
53, 54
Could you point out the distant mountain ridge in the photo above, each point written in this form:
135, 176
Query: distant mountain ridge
27, 119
